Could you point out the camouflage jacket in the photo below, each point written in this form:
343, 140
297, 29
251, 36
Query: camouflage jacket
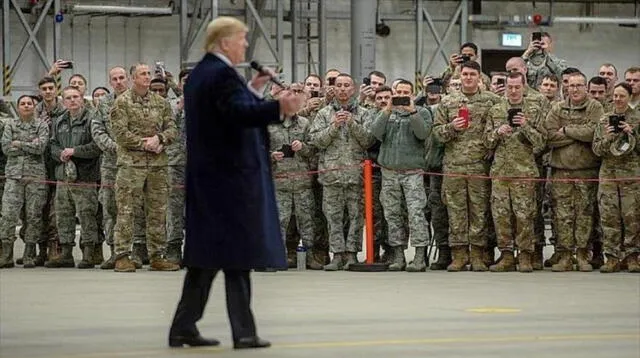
466, 146
49, 116
284, 134
537, 98
4, 118
515, 153
571, 149
176, 151
27, 159
134, 117
620, 152
402, 137
340, 146
76, 134
541, 64
102, 134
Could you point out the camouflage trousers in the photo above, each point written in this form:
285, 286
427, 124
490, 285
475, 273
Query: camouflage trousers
302, 205
619, 204
135, 185
513, 205
335, 199
407, 187
439, 216
467, 201
107, 197
175, 206
83, 202
19, 195
573, 205
49, 230
140, 223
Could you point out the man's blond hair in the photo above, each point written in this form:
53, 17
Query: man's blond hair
220, 28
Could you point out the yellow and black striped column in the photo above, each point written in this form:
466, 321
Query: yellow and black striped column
6, 81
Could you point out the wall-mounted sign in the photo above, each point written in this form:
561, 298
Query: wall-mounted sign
510, 39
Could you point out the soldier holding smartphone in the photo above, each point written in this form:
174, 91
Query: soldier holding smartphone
539, 59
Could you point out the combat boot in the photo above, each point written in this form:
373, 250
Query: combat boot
460, 258
612, 265
42, 254
554, 259
597, 258
524, 262
444, 259
565, 262
6, 260
632, 263
352, 258
313, 262
399, 262
97, 256
174, 253
87, 256
538, 258
159, 263
489, 256
29, 256
124, 264
418, 264
477, 259
64, 260
110, 264
582, 255
507, 263
336, 264
137, 254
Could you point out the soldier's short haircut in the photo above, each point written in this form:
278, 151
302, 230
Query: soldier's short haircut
134, 68
570, 71
470, 45
313, 75
331, 70
615, 69
405, 82
472, 65
547, 35
383, 88
517, 75
598, 81
25, 96
115, 68
377, 74
99, 88
344, 74
68, 88
499, 73
46, 80
159, 80
627, 87
632, 69
578, 74
78, 76
551, 77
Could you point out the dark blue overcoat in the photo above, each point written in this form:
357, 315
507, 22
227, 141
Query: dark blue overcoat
231, 212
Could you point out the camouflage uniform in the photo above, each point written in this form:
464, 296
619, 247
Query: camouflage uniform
573, 203
74, 200
176, 156
467, 199
619, 200
294, 193
24, 172
342, 148
486, 80
141, 174
513, 203
541, 64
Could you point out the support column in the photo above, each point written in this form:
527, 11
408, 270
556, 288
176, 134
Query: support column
184, 23
464, 21
363, 38
322, 37
6, 50
419, 45
294, 40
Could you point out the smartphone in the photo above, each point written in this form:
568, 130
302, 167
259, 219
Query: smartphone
315, 94
536, 36
66, 65
437, 82
614, 121
512, 112
332, 81
401, 101
501, 81
434, 88
465, 58
160, 69
287, 151
366, 81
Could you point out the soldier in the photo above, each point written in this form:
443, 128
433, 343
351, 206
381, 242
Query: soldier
24, 141
339, 133
97, 94
517, 64
597, 88
459, 125
402, 129
498, 82
76, 156
468, 52
570, 126
550, 88
540, 61
515, 132
4, 118
609, 72
566, 74
617, 145
103, 137
632, 78
291, 157
368, 92
142, 125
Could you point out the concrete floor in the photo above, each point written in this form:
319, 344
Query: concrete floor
75, 313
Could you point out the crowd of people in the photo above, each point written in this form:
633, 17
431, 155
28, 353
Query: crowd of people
478, 161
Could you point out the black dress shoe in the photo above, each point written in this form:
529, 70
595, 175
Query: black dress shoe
251, 342
193, 341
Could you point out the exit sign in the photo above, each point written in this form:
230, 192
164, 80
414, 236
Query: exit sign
511, 40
